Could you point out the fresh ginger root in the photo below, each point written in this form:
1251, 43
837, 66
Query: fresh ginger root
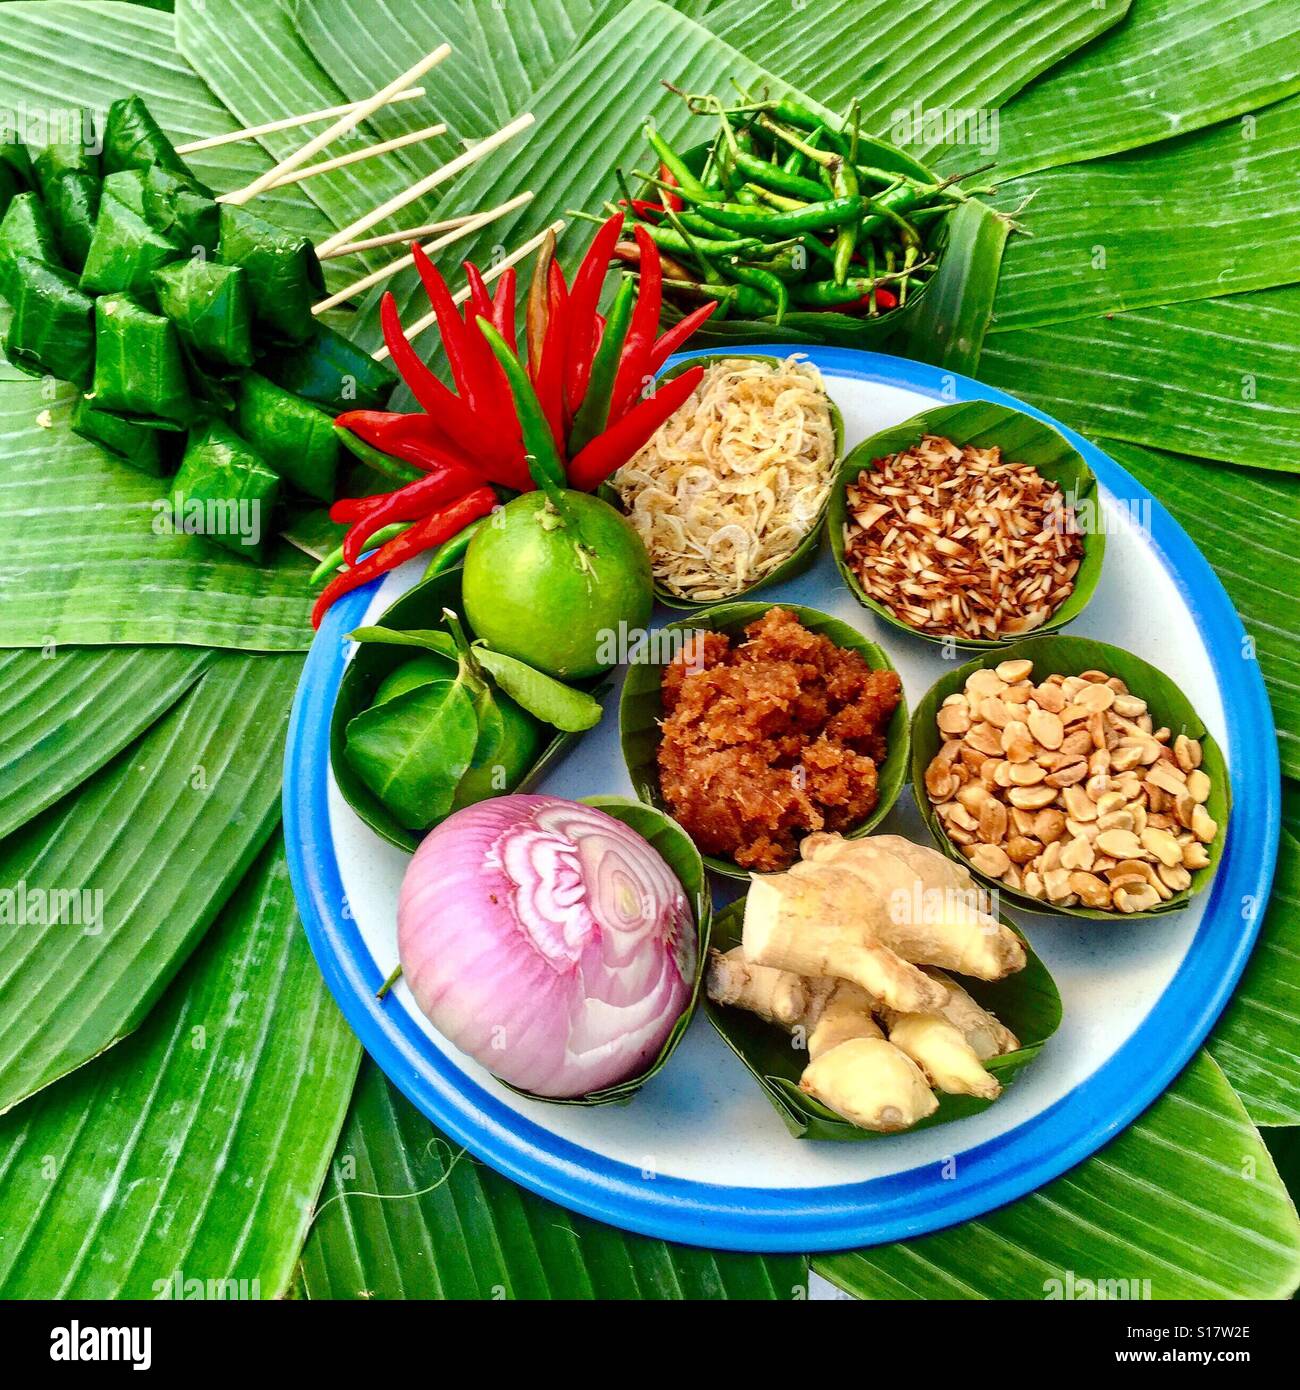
824, 921
931, 907
845, 1014
776, 996
871, 1083
850, 937
987, 1035
943, 1054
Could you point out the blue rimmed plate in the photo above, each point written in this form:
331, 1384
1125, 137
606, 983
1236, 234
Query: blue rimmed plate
700, 1156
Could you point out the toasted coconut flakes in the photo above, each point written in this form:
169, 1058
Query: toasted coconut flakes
960, 542
728, 488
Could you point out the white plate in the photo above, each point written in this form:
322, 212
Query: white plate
700, 1156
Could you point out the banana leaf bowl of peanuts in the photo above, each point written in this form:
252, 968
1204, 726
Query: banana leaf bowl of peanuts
972, 524
1073, 777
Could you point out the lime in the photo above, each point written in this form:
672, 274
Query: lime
519, 749
552, 580
420, 670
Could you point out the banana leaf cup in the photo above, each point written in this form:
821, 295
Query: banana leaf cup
1028, 1003
681, 856
420, 609
1022, 439
1071, 656
641, 709
804, 553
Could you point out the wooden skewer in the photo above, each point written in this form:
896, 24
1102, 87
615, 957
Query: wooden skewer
251, 132
409, 234
468, 226
327, 166
500, 268
426, 185
314, 146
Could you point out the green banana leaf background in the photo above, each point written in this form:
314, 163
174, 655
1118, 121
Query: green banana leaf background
153, 1133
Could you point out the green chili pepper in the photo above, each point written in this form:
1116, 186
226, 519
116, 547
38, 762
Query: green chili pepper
822, 294
593, 414
450, 553
539, 442
846, 239
763, 280
334, 560
780, 201
376, 458
746, 301
831, 212
676, 166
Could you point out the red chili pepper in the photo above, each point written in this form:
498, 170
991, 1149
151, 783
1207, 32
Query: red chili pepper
643, 207
480, 301
503, 308
539, 300
409, 503
669, 200
424, 535
620, 441
885, 299
455, 336
450, 413
634, 365
672, 338
580, 345
548, 374
413, 438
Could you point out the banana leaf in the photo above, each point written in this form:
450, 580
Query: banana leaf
151, 585
406, 1215
99, 49
133, 139
908, 59
1168, 706
293, 437
1248, 535
137, 445
1255, 1041
1215, 378
640, 711
1171, 67
125, 250
228, 491
73, 205
1028, 1003
213, 1128
25, 231
182, 210
139, 369
284, 276
1160, 225
1184, 1204
16, 174
804, 553
52, 332
209, 305
65, 713
120, 880
419, 609
255, 63
332, 371
1023, 439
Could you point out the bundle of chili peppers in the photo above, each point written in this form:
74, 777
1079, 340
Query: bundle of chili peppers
790, 213
579, 406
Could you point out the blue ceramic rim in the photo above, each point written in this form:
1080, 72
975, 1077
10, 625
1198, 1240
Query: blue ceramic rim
900, 1205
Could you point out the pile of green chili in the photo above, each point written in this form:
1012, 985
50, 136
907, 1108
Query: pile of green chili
185, 324
788, 212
